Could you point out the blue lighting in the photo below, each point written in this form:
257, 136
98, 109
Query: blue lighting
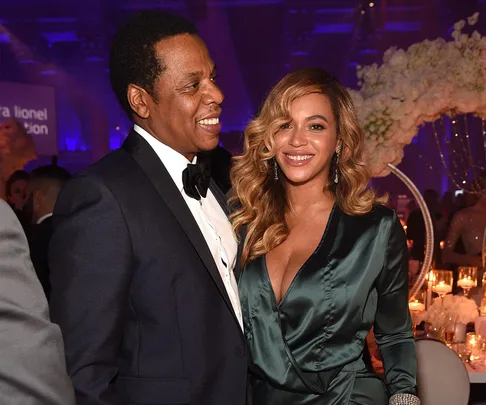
71, 144
333, 28
335, 10
63, 36
402, 26
368, 51
5, 39
299, 53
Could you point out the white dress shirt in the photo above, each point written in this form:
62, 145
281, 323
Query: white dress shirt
209, 216
41, 219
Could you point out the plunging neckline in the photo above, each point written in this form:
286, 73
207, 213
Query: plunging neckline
267, 274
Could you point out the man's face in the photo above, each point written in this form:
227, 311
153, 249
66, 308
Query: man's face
186, 113
18, 194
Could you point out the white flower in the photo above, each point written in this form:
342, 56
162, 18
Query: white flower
415, 86
460, 308
472, 20
399, 60
459, 25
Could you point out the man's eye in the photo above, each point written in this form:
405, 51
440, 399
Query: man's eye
214, 78
194, 85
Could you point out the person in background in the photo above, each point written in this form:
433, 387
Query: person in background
32, 365
468, 226
416, 227
45, 185
17, 194
220, 168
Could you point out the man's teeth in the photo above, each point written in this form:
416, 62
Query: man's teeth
209, 121
299, 157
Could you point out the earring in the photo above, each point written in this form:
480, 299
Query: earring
275, 170
336, 173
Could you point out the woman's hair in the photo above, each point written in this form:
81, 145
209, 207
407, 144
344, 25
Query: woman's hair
260, 201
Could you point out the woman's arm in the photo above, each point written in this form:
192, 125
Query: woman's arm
393, 326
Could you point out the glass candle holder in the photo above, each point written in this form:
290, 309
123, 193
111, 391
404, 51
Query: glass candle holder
441, 282
482, 307
417, 303
473, 344
468, 278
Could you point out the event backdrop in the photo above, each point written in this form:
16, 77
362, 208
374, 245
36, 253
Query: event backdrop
35, 107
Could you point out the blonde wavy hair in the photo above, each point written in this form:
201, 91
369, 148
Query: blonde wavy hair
259, 201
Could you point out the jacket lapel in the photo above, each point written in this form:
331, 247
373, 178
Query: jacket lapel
150, 163
220, 197
223, 202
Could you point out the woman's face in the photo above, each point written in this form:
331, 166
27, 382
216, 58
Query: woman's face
305, 145
18, 194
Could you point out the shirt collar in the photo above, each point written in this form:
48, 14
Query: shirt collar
41, 219
174, 162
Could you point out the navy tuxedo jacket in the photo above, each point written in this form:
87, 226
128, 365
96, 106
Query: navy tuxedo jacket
143, 310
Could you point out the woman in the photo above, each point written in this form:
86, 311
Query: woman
468, 226
323, 260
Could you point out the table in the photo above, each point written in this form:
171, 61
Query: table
476, 375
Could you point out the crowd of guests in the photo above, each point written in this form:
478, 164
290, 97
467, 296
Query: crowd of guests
458, 221
32, 196
459, 224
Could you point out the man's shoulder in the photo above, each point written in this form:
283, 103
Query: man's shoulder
110, 166
115, 171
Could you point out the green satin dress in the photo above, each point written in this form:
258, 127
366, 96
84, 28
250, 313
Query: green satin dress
309, 349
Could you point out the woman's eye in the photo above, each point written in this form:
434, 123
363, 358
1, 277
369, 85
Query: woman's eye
316, 127
285, 126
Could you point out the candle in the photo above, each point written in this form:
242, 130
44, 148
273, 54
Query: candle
429, 294
473, 343
416, 306
442, 289
466, 282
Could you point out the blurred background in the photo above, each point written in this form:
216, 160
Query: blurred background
64, 45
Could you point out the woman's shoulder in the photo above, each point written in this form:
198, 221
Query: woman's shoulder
378, 213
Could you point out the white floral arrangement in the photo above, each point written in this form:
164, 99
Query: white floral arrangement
418, 85
463, 309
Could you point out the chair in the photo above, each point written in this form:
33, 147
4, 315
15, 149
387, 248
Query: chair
442, 378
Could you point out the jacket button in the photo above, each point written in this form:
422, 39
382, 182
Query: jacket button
239, 351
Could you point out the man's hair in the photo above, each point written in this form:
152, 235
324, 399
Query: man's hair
17, 175
49, 179
133, 58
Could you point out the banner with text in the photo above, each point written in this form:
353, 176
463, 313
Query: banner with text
35, 107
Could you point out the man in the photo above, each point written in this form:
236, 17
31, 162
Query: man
32, 366
44, 186
141, 257
17, 195
416, 227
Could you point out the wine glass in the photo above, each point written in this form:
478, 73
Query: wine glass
468, 278
441, 282
416, 306
449, 329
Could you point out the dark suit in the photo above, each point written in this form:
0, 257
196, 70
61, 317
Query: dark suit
145, 315
39, 236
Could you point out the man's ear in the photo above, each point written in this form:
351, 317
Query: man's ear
139, 100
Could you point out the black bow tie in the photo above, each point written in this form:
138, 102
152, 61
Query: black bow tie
195, 179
